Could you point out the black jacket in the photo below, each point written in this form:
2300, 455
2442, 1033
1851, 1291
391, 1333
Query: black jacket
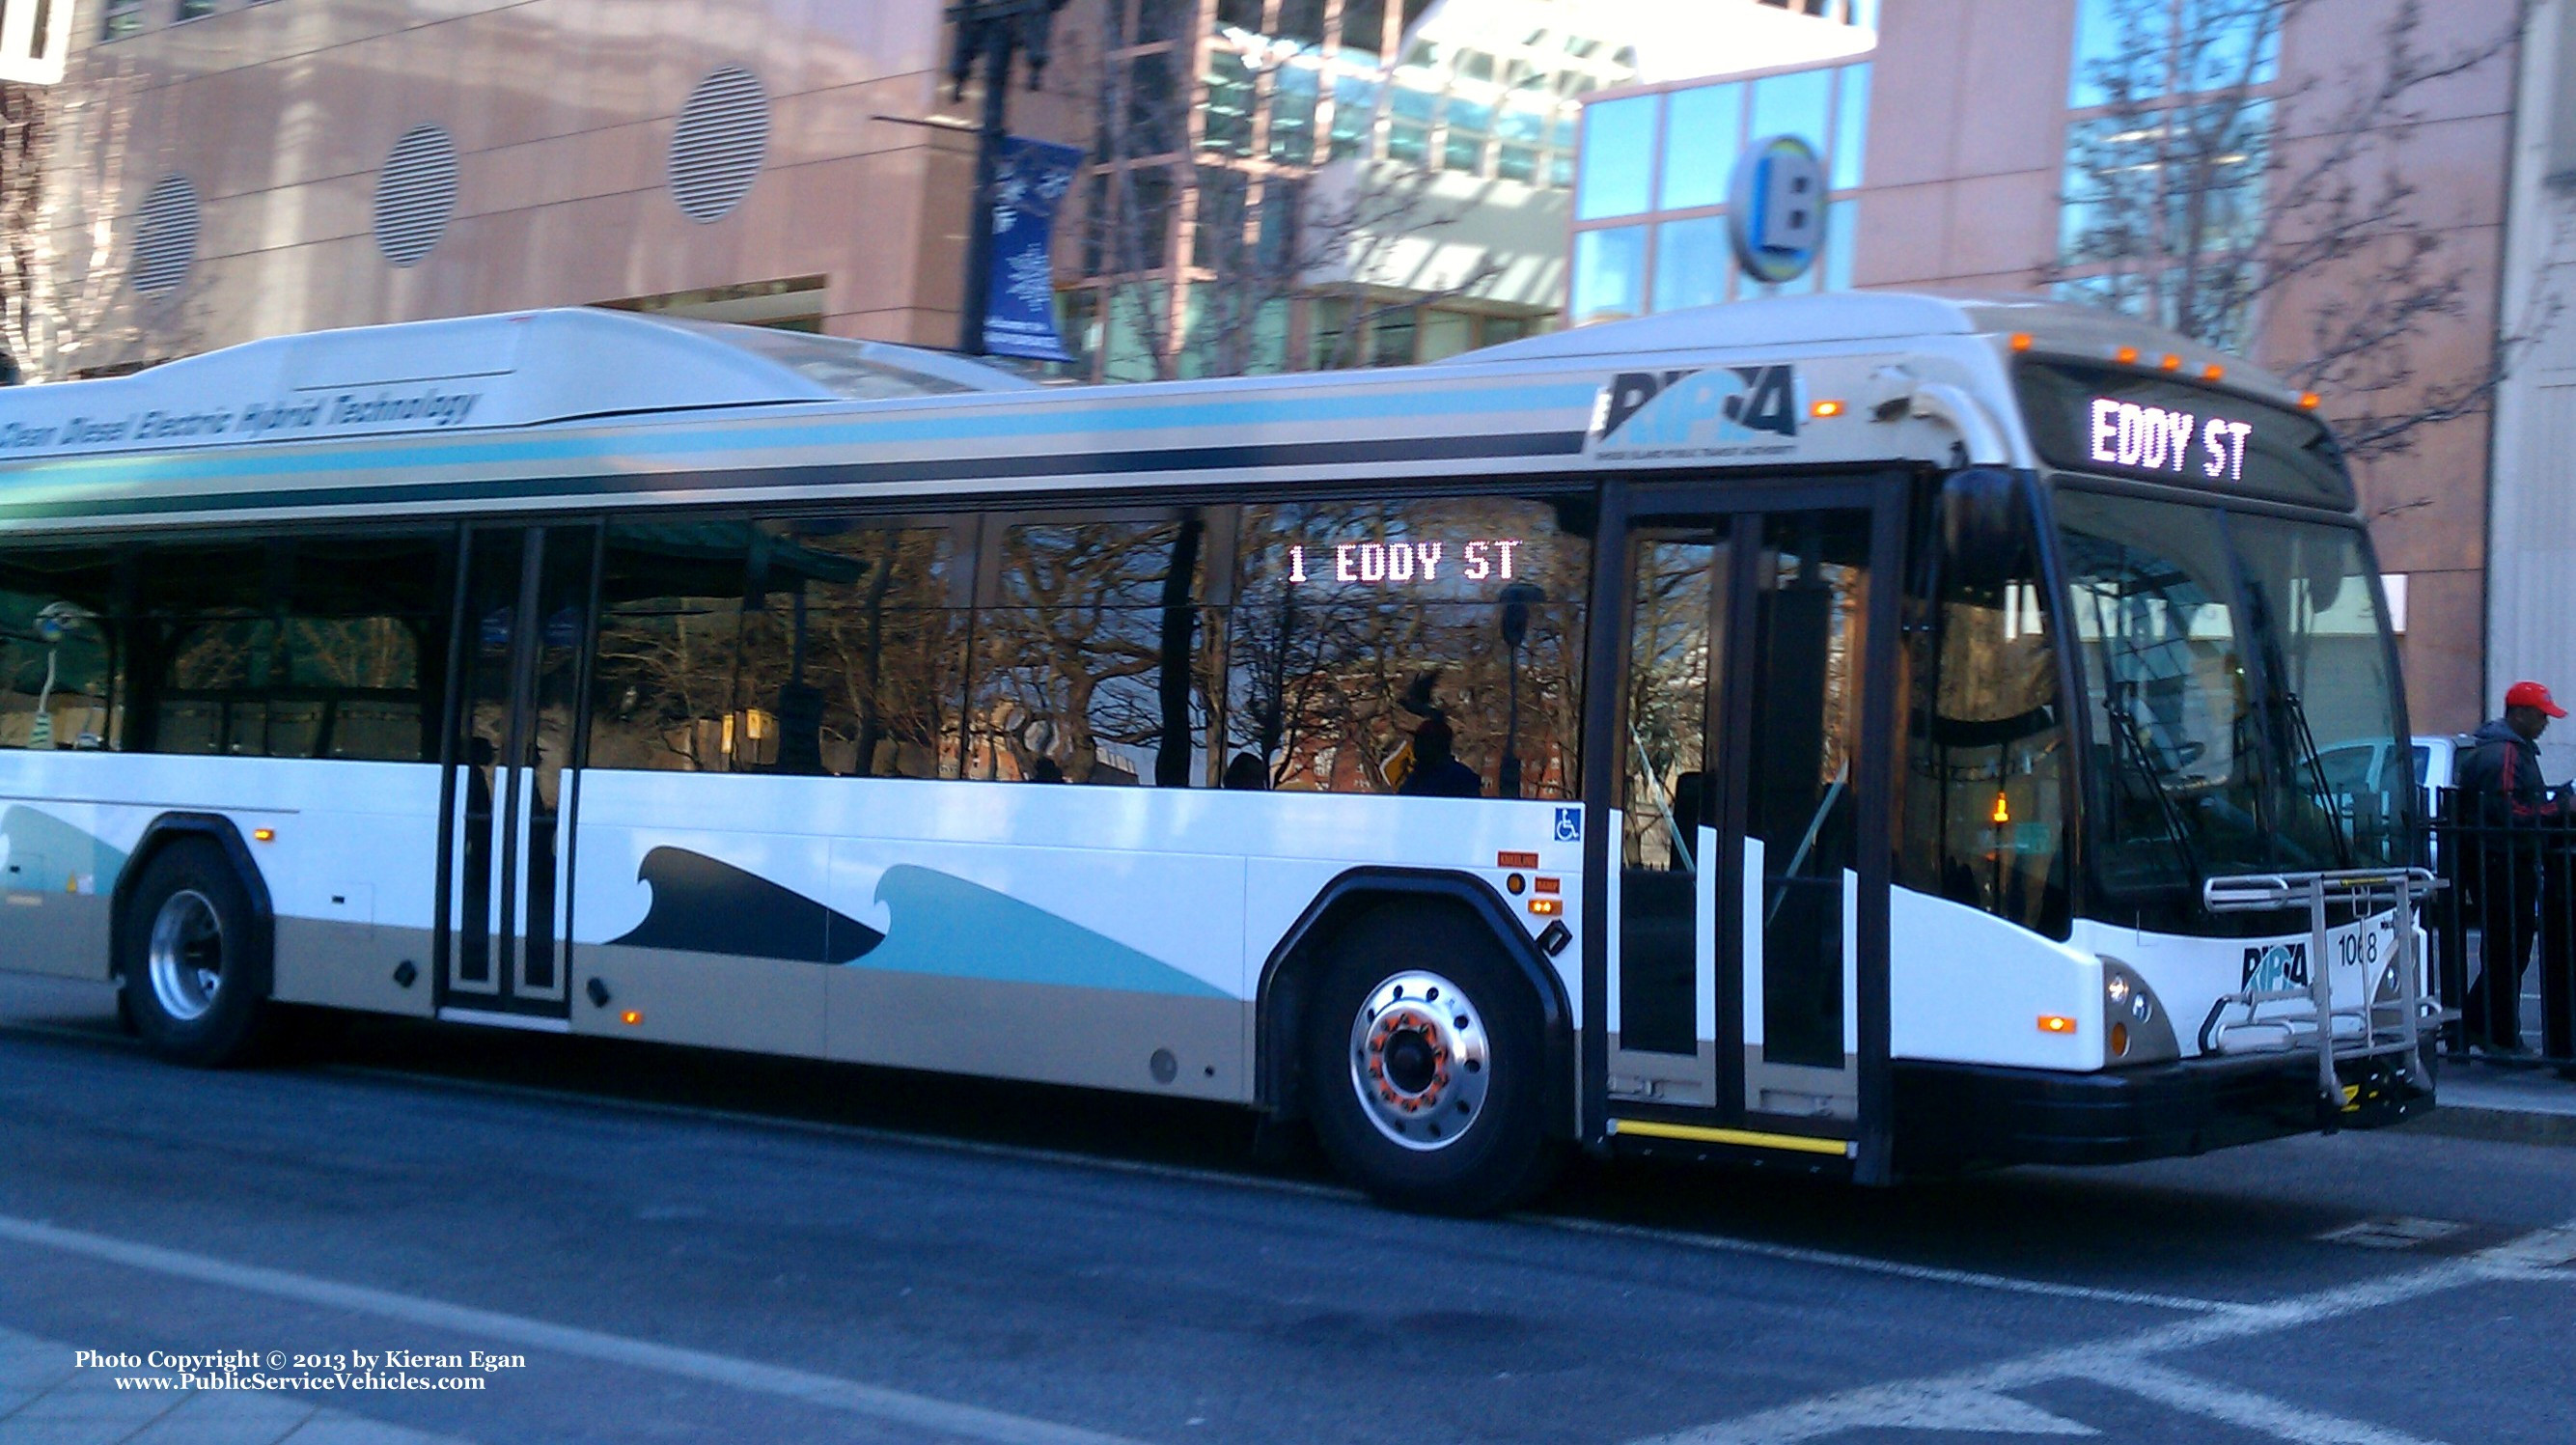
2500, 779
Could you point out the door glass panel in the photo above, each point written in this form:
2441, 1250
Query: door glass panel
1811, 602
563, 596
527, 594
492, 612
1674, 627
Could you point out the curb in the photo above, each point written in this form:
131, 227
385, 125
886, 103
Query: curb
2485, 1121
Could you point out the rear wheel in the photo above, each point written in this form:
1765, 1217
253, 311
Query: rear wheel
1425, 1053
195, 979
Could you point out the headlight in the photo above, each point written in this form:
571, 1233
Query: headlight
2137, 1032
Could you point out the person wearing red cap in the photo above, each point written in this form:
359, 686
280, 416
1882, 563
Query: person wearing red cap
2501, 788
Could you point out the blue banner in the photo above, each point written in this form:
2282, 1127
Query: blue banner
1030, 178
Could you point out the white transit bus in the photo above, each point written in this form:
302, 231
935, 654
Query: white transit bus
1845, 733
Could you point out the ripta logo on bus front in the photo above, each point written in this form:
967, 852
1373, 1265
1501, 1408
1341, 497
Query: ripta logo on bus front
2273, 966
1730, 411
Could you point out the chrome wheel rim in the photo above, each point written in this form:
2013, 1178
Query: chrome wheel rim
187, 955
1420, 1060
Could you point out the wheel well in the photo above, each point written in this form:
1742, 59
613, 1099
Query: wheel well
168, 831
1368, 899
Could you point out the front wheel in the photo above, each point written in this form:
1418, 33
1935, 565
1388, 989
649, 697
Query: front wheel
1425, 1055
193, 975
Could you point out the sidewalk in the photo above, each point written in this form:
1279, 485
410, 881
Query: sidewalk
2483, 1099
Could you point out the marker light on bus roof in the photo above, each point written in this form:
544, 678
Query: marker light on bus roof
2021, 341
2309, 400
2212, 372
2171, 362
631, 1016
1827, 408
2126, 355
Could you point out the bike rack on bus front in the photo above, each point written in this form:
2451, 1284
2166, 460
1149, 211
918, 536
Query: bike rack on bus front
2363, 890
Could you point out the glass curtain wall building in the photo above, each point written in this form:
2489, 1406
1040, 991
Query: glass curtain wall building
1650, 198
1198, 222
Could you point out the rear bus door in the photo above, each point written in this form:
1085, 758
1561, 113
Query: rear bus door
1745, 964
504, 885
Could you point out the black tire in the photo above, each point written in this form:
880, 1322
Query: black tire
205, 1002
1493, 1153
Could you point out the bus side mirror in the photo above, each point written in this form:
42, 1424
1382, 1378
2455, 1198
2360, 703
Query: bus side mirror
1985, 532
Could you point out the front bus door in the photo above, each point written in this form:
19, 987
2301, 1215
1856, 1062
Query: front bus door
504, 875
1746, 964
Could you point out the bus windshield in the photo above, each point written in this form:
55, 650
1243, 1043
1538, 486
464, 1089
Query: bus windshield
2230, 664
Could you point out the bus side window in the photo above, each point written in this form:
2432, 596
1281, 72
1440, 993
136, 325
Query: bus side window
1985, 779
853, 645
670, 638
57, 657
310, 647
1356, 622
1091, 647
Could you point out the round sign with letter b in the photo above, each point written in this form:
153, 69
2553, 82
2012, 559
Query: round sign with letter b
1775, 210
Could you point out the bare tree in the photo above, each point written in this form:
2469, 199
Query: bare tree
1258, 237
2213, 195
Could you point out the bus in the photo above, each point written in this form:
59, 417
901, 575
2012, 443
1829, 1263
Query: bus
1864, 734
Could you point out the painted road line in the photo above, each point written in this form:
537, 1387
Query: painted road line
1923, 1403
2245, 1409
1930, 1274
876, 1402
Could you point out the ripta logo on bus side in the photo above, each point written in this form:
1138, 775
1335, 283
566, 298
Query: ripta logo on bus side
2273, 966
1731, 411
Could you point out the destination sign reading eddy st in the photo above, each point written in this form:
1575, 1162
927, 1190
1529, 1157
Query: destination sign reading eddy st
2147, 438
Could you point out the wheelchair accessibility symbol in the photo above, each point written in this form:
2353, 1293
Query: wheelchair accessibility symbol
1569, 825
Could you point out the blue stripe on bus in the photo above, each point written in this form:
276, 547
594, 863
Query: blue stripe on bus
788, 434
971, 470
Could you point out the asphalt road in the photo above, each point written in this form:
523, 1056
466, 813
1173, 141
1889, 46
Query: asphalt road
669, 1245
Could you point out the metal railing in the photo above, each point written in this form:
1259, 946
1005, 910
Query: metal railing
2508, 912
2394, 1007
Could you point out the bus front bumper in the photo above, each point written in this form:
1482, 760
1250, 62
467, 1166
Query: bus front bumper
1955, 1116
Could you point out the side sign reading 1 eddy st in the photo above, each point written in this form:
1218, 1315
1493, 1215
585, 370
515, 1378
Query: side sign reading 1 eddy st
1691, 414
256, 421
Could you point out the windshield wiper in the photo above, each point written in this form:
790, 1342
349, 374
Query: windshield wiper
2132, 748
2319, 790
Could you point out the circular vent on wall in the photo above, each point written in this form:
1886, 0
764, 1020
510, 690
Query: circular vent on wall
166, 242
415, 194
717, 149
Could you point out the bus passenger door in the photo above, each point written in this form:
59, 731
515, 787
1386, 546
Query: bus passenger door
504, 879
1749, 894
1664, 887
